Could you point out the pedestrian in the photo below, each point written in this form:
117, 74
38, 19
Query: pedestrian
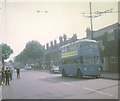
3, 77
11, 73
7, 76
18, 73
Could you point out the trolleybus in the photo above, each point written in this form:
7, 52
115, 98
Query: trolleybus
80, 58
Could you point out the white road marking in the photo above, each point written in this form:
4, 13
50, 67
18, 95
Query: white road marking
42, 77
52, 80
98, 91
67, 83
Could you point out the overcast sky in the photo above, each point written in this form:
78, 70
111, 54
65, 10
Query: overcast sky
22, 23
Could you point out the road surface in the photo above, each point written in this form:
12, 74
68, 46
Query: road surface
44, 85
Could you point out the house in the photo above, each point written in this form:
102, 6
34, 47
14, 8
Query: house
108, 39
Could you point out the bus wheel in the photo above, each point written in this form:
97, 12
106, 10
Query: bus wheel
79, 74
98, 76
63, 73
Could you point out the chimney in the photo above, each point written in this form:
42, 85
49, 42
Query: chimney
47, 45
55, 42
60, 39
64, 37
88, 33
51, 42
74, 38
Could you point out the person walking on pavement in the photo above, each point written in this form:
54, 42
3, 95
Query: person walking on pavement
18, 73
3, 77
11, 73
7, 76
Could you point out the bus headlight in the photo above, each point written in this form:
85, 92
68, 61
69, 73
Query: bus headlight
85, 69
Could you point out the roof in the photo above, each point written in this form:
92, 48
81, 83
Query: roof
81, 40
102, 31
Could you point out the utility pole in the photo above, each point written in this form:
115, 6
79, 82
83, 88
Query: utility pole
5, 30
95, 14
91, 21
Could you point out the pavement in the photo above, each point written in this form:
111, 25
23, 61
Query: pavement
0, 92
110, 75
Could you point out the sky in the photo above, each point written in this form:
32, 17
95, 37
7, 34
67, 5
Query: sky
21, 23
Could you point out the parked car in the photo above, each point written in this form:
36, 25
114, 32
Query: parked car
54, 69
28, 68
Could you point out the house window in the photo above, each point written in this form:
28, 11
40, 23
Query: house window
113, 59
102, 60
100, 45
110, 35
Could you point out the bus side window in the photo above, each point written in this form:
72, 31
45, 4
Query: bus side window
95, 59
77, 61
81, 59
63, 62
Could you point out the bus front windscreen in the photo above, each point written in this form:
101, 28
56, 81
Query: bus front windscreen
86, 44
91, 59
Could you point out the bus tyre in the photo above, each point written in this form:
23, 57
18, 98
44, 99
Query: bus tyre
79, 74
63, 73
98, 76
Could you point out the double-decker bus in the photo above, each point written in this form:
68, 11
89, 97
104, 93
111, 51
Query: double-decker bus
80, 58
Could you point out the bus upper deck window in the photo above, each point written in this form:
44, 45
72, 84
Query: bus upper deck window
81, 59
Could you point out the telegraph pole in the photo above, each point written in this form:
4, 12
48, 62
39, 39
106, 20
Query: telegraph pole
5, 30
91, 21
95, 14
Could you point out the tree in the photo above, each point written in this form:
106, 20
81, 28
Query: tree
22, 58
6, 52
34, 50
